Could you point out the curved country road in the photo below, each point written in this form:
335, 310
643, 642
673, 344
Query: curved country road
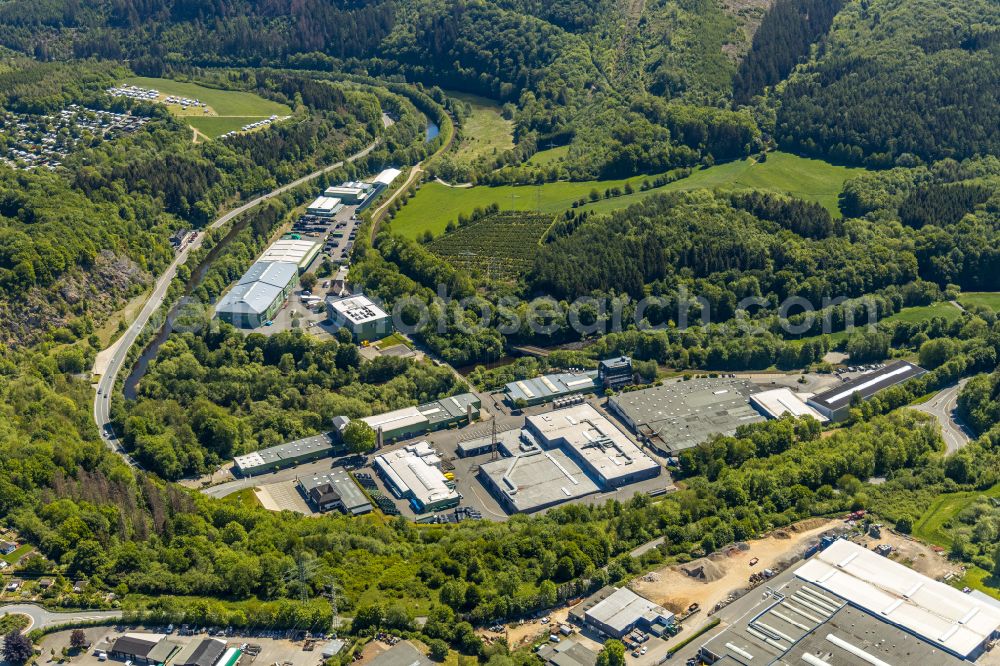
119, 351
42, 618
944, 407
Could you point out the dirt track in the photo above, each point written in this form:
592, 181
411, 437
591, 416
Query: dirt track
676, 590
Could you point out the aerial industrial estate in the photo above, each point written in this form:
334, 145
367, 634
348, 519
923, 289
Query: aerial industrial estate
562, 333
566, 445
565, 454
678, 415
264, 290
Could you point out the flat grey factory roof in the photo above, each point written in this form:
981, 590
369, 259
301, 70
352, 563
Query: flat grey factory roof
775, 624
686, 413
555, 384
200, 653
852, 636
868, 384
567, 652
448, 408
275, 273
541, 479
508, 442
253, 297
621, 609
299, 447
402, 654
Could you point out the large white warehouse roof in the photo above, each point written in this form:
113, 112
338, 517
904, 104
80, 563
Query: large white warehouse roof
290, 250
937, 613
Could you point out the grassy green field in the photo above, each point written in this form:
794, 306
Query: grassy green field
390, 340
814, 180
544, 158
228, 109
978, 579
930, 526
984, 299
485, 132
435, 204
924, 312
245, 497
14, 556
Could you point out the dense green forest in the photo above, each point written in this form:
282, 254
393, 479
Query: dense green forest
784, 38
882, 80
723, 248
899, 80
211, 396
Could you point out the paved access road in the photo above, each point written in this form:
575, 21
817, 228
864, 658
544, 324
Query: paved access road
42, 618
106, 383
944, 407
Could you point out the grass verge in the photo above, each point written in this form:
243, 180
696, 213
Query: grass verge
930, 526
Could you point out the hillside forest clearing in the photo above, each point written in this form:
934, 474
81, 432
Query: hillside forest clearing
934, 525
813, 180
917, 313
544, 158
485, 132
675, 589
226, 110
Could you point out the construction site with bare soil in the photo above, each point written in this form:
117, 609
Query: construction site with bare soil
722, 576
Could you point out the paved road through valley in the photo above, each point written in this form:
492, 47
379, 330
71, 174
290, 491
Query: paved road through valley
106, 383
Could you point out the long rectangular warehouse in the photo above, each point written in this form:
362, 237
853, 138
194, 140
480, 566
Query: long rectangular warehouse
835, 404
776, 403
437, 415
258, 295
325, 207
537, 390
300, 252
286, 455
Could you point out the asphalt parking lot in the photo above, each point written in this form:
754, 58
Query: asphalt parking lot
283, 496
